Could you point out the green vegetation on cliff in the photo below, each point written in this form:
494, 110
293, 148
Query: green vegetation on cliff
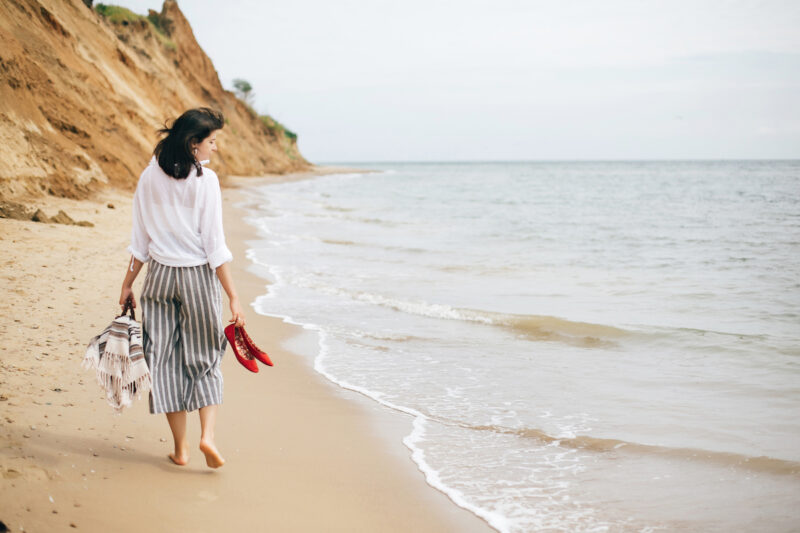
244, 92
276, 127
125, 17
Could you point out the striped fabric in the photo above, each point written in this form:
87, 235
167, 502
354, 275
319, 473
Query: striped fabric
117, 358
183, 336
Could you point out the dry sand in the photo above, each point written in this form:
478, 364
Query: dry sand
302, 454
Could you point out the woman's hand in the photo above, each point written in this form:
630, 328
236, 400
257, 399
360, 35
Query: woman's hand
225, 279
237, 313
127, 292
127, 284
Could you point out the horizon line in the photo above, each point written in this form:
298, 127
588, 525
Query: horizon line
438, 161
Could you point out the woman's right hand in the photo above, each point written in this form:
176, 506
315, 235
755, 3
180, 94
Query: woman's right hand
127, 292
127, 284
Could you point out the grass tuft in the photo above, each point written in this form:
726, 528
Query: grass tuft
123, 16
276, 127
117, 14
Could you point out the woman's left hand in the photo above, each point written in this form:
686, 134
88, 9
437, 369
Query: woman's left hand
237, 313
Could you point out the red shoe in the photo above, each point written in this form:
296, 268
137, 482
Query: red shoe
234, 336
254, 350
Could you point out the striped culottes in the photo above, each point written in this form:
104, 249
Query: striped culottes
183, 336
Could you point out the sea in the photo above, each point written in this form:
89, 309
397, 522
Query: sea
583, 346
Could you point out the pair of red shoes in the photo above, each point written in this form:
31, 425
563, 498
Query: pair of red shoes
245, 349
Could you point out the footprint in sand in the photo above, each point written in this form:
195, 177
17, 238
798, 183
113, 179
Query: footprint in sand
11, 474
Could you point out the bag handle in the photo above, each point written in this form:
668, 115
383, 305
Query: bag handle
128, 307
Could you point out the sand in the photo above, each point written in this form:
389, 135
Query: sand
302, 454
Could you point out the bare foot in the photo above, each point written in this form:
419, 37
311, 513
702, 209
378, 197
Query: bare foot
213, 458
180, 458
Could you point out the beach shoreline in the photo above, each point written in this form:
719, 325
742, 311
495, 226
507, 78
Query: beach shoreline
302, 454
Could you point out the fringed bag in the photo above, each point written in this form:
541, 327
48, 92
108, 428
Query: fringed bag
117, 357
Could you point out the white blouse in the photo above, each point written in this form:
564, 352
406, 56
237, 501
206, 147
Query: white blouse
178, 222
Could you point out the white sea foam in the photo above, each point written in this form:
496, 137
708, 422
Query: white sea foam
412, 440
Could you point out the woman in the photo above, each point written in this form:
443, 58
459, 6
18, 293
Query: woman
177, 227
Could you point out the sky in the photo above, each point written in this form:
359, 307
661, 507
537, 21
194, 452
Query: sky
467, 80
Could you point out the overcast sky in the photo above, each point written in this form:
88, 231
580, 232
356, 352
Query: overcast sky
432, 80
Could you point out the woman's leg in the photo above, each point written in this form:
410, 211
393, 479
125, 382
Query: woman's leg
202, 337
163, 350
177, 423
208, 417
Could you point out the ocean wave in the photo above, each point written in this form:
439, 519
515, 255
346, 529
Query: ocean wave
531, 327
345, 242
339, 242
768, 465
338, 209
343, 214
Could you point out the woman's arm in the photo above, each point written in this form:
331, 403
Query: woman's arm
127, 284
225, 278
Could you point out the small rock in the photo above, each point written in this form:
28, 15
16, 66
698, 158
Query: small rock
72, 524
39, 216
110, 205
62, 218
14, 210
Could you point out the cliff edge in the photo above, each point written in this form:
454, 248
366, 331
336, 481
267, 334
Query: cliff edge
82, 95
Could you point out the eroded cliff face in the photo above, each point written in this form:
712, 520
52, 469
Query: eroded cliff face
81, 99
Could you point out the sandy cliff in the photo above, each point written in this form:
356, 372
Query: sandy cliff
81, 98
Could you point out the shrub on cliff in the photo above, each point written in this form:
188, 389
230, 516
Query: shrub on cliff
244, 91
276, 127
125, 17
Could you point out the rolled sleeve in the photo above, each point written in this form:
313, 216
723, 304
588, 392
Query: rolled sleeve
220, 257
211, 230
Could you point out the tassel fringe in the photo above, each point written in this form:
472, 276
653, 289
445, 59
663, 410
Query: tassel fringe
108, 354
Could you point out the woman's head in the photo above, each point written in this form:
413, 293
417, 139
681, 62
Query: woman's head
191, 139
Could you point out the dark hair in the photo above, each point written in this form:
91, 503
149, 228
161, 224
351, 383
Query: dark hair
174, 152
